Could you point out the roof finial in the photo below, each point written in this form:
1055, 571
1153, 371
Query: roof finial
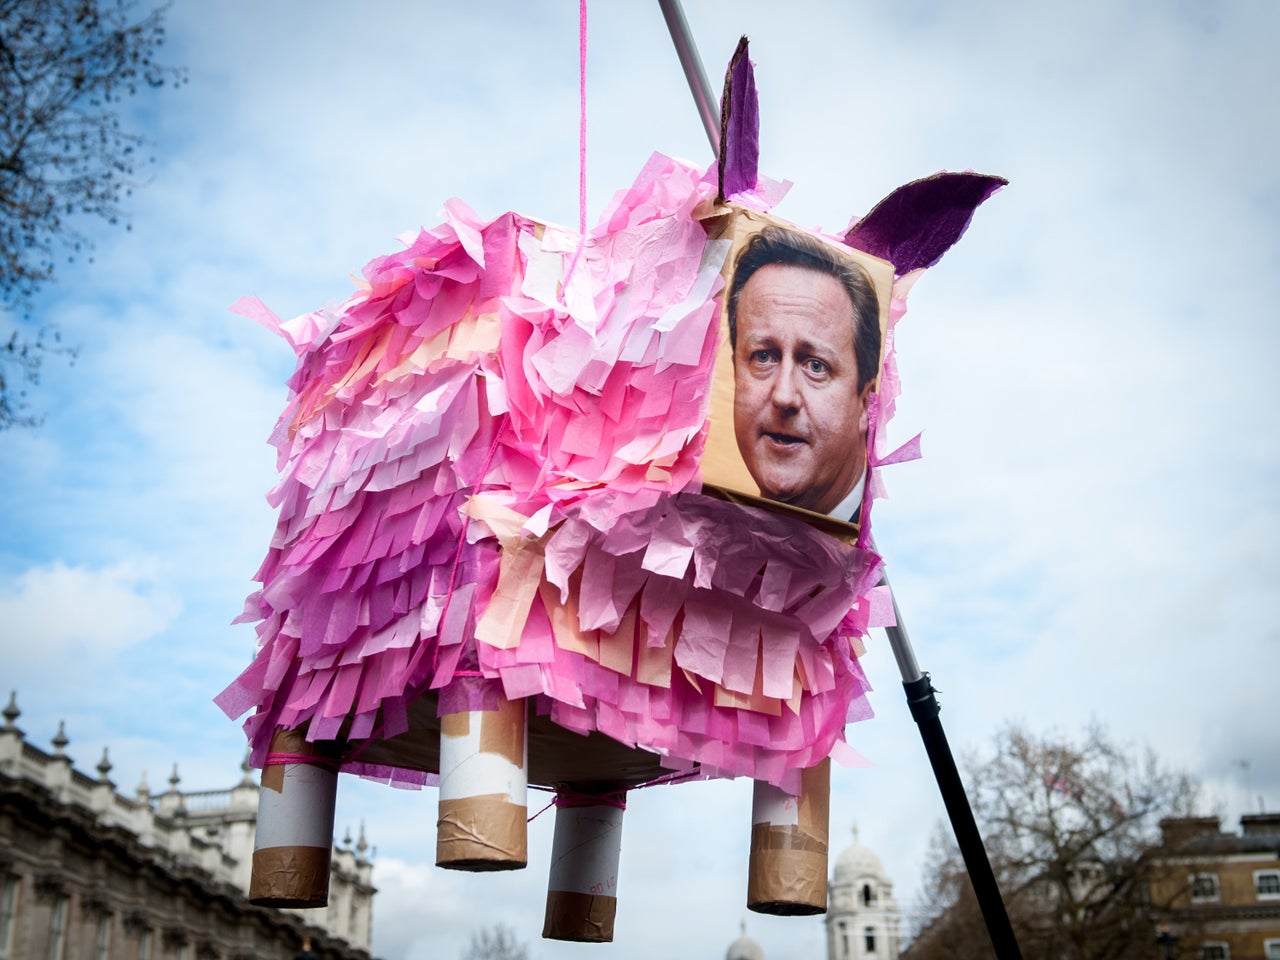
11, 712
60, 739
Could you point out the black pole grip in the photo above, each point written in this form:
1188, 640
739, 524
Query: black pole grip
924, 710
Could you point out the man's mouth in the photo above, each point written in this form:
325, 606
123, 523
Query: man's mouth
785, 439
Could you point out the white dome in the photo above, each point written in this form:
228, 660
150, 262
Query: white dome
856, 863
744, 948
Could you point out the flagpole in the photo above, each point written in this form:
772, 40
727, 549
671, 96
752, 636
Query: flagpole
921, 695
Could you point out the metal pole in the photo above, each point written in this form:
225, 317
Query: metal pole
708, 107
899, 642
920, 693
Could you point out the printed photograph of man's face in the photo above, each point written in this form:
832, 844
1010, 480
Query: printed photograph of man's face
806, 325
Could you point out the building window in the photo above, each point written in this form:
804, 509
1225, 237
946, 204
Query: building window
868, 895
1204, 887
176, 943
869, 940
102, 947
58, 929
144, 945
1267, 883
844, 940
8, 910
1214, 950
1271, 949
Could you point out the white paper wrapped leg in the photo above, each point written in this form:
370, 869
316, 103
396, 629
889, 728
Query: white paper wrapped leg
787, 871
582, 892
483, 784
294, 837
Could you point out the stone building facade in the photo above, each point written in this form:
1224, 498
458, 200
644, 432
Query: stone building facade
87, 873
1222, 889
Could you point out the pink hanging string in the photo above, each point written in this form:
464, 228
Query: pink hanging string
352, 755
582, 144
582, 117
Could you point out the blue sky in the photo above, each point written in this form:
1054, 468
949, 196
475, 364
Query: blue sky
1091, 535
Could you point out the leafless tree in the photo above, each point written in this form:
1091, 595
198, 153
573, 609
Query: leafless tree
67, 67
1072, 830
495, 943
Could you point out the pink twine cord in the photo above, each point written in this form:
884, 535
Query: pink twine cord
351, 755
676, 776
280, 759
564, 798
569, 798
551, 803
462, 537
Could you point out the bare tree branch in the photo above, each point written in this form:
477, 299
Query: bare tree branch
66, 69
495, 943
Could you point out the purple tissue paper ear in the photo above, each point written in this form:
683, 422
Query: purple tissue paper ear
920, 221
739, 160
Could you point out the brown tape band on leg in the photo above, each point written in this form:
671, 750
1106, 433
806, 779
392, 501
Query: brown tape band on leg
579, 917
787, 872
290, 877
482, 833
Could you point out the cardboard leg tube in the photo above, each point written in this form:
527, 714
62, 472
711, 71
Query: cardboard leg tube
483, 822
787, 871
294, 835
582, 892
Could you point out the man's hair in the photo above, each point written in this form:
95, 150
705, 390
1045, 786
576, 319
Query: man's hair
778, 245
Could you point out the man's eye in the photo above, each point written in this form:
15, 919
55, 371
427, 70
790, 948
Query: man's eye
816, 367
762, 356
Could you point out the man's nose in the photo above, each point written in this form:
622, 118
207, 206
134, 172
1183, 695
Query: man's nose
786, 391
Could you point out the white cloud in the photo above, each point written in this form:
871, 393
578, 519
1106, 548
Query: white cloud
59, 615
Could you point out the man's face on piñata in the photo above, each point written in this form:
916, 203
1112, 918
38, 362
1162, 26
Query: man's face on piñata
799, 415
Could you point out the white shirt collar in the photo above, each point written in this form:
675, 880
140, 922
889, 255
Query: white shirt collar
847, 507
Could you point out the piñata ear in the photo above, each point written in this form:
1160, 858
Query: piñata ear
920, 221
739, 161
